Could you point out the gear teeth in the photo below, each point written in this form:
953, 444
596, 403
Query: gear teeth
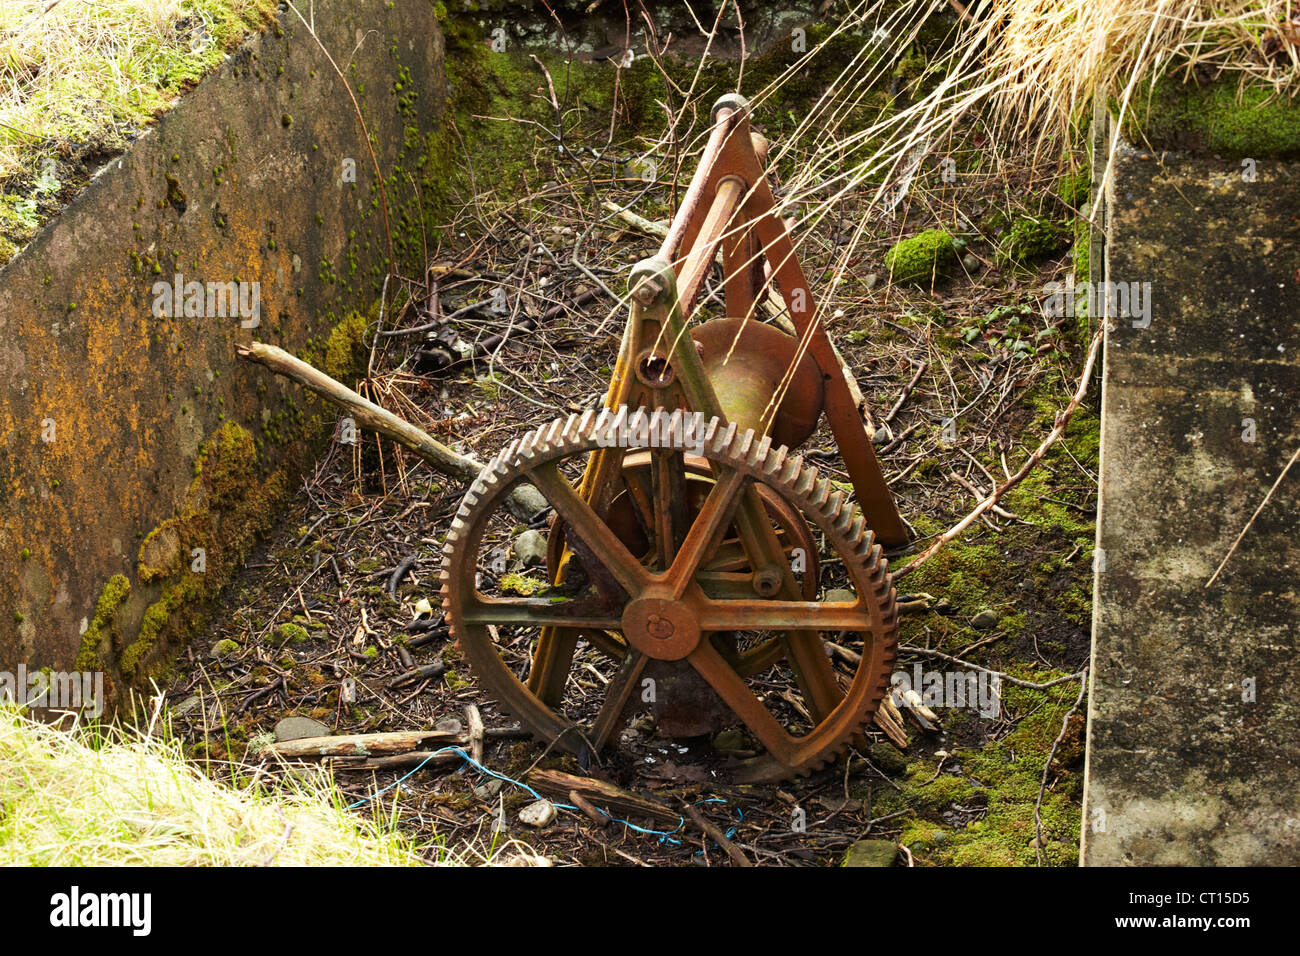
789, 474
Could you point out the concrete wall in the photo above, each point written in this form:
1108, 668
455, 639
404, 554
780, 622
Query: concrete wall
1194, 721
107, 406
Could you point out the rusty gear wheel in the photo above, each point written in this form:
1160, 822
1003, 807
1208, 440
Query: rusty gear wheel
632, 613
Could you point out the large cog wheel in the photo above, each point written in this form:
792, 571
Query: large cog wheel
634, 614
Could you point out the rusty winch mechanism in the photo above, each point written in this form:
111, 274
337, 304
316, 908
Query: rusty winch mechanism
684, 562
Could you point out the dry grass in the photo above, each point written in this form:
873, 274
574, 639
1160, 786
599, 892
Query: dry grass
79, 71
119, 799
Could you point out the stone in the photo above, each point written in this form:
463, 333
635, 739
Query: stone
488, 790
538, 814
871, 853
970, 263
730, 740
881, 436
530, 548
448, 725
841, 594
300, 728
888, 758
985, 619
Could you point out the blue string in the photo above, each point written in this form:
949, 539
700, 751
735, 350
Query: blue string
664, 835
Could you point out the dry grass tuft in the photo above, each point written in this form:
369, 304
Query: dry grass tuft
113, 798
79, 71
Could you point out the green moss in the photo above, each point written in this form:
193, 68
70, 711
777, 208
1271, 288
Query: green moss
922, 257
345, 355
227, 505
96, 642
520, 584
1074, 189
1082, 251
225, 648
289, 634
1002, 776
1219, 116
1031, 238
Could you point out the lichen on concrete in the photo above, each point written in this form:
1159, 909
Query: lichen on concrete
229, 503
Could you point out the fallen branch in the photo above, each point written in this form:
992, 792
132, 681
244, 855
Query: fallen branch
415, 758
364, 745
718, 837
597, 792
524, 502
1062, 422
1042, 787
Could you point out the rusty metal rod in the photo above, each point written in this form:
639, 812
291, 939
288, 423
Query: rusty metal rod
695, 192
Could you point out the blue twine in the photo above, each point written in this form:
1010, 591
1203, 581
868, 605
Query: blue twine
664, 835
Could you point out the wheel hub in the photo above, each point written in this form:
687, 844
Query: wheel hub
661, 629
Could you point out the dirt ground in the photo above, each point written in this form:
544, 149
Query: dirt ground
964, 374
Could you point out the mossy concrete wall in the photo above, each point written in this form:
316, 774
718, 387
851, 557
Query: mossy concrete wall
130, 440
1194, 721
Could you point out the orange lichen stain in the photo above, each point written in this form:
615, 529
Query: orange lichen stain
227, 506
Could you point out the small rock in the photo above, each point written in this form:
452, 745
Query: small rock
530, 548
188, 704
448, 725
888, 758
487, 791
939, 837
871, 853
985, 619
538, 814
970, 263
871, 280
841, 594
299, 728
729, 740
881, 436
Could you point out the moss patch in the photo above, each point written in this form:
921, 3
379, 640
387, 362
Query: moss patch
1031, 238
345, 355
96, 643
227, 505
1219, 117
922, 257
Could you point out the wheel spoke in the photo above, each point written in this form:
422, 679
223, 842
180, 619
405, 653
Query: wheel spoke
736, 694
539, 612
583, 522
551, 662
617, 696
715, 516
761, 615
812, 669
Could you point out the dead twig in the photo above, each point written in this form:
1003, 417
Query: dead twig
1233, 549
524, 501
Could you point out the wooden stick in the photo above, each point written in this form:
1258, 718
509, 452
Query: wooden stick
475, 732
711, 831
429, 758
365, 745
602, 794
524, 501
